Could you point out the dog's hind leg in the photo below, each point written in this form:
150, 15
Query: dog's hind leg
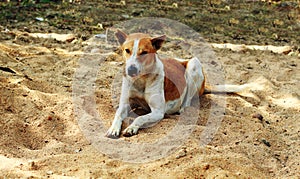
195, 81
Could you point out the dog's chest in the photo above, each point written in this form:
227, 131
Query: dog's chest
139, 85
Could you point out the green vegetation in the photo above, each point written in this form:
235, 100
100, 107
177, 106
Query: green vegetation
235, 21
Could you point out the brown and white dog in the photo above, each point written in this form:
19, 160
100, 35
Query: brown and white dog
164, 86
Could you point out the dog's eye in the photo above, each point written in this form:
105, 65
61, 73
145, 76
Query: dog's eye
144, 53
127, 50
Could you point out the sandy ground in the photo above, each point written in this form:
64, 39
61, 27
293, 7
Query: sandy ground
40, 136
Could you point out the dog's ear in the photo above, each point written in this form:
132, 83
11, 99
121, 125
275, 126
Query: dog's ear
121, 36
158, 41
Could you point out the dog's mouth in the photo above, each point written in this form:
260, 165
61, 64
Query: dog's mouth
133, 75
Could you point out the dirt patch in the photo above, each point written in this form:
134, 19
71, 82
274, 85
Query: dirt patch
249, 22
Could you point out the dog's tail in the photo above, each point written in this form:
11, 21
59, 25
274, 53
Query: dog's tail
227, 88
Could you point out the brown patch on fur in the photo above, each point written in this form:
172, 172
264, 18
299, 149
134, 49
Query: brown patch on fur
127, 45
202, 89
174, 83
137, 102
144, 46
184, 63
147, 60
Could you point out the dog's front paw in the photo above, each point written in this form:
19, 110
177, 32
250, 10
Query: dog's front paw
113, 133
130, 131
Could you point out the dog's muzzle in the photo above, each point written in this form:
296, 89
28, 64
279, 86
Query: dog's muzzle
132, 71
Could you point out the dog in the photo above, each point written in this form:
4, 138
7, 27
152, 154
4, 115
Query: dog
161, 86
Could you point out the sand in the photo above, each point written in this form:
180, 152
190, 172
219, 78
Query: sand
41, 136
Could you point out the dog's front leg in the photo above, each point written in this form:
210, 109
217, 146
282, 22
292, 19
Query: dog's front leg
122, 111
157, 105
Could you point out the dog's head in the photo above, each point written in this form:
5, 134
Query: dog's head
139, 52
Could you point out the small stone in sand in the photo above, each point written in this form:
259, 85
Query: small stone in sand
49, 172
258, 116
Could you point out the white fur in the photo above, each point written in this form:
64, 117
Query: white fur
154, 96
151, 89
153, 93
122, 111
194, 78
133, 58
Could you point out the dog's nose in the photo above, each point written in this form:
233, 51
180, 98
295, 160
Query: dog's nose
132, 71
